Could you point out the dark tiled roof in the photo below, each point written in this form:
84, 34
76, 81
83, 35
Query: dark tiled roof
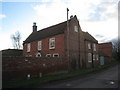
89, 37
47, 32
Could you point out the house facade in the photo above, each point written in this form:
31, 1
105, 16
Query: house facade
63, 40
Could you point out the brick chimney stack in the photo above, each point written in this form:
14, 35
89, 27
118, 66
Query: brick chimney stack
34, 27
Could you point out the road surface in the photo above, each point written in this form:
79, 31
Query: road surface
107, 78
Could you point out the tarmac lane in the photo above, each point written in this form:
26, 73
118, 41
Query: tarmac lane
107, 78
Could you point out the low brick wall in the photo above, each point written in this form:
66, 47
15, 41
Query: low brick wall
20, 67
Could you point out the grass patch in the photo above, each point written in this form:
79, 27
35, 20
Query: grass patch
32, 81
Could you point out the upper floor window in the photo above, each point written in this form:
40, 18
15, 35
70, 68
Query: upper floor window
89, 57
94, 47
89, 46
39, 45
52, 43
28, 47
76, 28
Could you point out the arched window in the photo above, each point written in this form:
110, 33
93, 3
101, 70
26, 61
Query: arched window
38, 55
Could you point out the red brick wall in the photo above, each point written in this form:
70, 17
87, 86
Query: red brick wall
59, 46
95, 62
19, 67
74, 44
106, 48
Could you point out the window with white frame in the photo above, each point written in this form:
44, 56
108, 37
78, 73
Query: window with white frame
93, 56
28, 47
52, 43
76, 28
89, 46
48, 55
94, 47
89, 57
97, 57
38, 55
55, 55
39, 45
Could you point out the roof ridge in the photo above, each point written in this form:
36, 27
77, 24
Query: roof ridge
51, 26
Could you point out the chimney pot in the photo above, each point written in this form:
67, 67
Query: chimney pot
34, 27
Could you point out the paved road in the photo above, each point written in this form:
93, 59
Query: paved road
102, 79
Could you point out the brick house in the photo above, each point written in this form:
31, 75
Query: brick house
105, 52
91, 50
55, 41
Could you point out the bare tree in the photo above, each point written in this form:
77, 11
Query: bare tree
16, 40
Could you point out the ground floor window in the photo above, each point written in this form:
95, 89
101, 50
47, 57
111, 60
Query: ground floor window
93, 56
55, 55
97, 57
48, 55
89, 57
38, 55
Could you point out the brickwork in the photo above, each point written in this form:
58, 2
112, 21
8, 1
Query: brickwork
18, 67
59, 47
106, 49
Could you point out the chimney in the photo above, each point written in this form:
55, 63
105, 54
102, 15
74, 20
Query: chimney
34, 27
71, 16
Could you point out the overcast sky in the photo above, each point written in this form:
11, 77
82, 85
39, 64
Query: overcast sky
98, 17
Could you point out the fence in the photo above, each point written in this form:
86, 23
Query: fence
21, 67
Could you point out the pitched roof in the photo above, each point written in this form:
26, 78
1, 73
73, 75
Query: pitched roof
89, 37
47, 32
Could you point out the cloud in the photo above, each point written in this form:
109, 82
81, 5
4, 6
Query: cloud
47, 15
104, 10
2, 16
99, 36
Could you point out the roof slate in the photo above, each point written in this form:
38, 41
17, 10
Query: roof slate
89, 37
47, 32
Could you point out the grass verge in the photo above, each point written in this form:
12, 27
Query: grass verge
32, 81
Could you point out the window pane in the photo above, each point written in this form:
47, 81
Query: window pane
93, 56
89, 46
28, 47
89, 57
39, 45
75, 28
51, 43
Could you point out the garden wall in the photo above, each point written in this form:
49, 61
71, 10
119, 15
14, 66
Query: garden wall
20, 67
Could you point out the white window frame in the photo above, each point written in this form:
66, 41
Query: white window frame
93, 57
97, 57
94, 47
89, 57
38, 54
48, 55
39, 45
76, 28
55, 54
52, 40
28, 47
89, 45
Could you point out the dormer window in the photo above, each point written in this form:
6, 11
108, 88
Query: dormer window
76, 28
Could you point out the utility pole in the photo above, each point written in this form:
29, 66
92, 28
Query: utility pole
68, 52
